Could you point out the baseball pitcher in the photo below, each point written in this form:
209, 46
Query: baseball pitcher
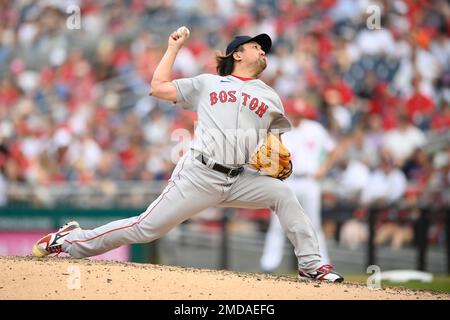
236, 160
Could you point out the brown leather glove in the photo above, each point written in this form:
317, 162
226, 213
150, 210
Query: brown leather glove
272, 158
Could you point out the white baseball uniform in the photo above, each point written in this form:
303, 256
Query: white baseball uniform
229, 110
308, 143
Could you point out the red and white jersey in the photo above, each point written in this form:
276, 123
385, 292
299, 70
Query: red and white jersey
308, 143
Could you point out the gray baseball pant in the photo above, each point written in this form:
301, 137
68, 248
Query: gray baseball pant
192, 188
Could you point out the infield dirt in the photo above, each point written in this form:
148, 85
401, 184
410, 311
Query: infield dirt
64, 278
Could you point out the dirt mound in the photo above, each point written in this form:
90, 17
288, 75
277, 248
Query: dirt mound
63, 278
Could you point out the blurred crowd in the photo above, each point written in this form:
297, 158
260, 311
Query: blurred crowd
74, 104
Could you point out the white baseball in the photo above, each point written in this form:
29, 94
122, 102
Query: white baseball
183, 30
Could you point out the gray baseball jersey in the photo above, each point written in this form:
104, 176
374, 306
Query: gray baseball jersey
233, 114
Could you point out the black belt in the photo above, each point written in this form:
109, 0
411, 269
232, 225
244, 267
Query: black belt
231, 172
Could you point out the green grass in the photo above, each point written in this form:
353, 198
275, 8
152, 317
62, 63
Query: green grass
439, 284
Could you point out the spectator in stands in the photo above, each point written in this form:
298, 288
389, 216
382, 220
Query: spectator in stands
340, 118
373, 138
403, 140
384, 187
419, 107
441, 120
351, 175
358, 149
417, 168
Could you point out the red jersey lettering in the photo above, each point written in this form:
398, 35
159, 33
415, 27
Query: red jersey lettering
232, 96
262, 109
246, 97
223, 96
213, 98
254, 103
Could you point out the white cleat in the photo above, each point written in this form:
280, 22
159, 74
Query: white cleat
52, 242
324, 273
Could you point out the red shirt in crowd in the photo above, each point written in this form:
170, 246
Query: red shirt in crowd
344, 89
441, 121
419, 104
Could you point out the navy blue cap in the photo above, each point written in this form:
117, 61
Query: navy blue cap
262, 39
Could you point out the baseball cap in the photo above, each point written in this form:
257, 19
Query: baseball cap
300, 108
262, 39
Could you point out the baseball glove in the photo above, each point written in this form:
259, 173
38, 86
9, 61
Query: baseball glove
272, 158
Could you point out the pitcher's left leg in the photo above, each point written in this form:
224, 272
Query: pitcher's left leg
252, 190
309, 195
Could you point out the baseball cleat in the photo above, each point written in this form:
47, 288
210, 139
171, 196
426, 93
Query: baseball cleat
324, 273
52, 242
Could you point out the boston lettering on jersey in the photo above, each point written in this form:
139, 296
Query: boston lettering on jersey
252, 103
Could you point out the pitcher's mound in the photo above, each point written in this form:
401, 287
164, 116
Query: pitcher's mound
62, 278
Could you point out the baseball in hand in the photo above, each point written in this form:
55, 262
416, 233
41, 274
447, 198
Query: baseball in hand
183, 30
